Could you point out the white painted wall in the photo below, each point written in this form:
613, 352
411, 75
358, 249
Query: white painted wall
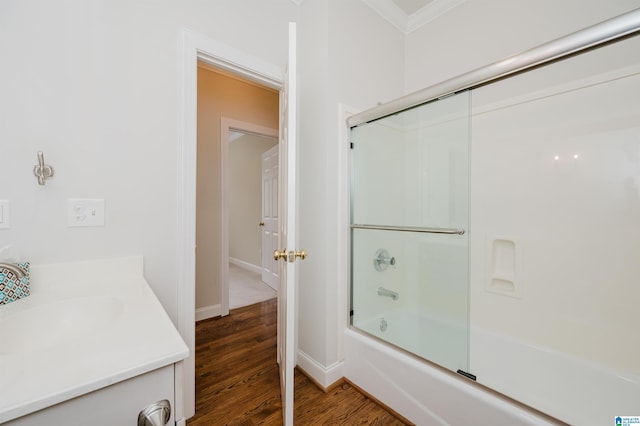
95, 86
480, 32
347, 54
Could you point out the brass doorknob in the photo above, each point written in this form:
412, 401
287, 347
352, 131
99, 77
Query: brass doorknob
261, 224
277, 254
290, 256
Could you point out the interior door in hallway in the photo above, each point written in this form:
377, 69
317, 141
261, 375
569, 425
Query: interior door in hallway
269, 222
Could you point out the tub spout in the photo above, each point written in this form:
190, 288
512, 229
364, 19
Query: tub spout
388, 293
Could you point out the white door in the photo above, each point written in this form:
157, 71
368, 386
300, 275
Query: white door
287, 216
269, 223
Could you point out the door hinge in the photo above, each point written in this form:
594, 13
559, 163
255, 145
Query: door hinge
351, 145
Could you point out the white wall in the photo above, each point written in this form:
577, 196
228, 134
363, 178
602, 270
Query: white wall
94, 86
480, 32
565, 195
347, 54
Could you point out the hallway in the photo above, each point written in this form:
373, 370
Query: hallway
246, 287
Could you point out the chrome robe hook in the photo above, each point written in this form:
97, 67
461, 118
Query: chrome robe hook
41, 170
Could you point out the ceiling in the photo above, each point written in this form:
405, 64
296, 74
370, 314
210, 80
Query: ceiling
409, 15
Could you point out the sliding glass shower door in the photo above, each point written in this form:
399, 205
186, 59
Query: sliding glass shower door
409, 237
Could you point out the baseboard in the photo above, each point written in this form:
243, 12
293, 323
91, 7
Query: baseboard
312, 379
324, 377
246, 265
208, 312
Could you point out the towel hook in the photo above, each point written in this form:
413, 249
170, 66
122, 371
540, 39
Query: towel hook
41, 170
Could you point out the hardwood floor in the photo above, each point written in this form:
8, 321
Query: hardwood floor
237, 378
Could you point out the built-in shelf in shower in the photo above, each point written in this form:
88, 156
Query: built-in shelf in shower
504, 258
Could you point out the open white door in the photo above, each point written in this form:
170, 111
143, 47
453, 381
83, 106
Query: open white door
269, 223
287, 219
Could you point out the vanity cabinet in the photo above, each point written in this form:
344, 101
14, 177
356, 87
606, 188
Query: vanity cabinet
117, 404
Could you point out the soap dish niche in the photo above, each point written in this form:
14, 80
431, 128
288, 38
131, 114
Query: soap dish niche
504, 260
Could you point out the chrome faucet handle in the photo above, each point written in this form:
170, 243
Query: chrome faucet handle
41, 170
382, 260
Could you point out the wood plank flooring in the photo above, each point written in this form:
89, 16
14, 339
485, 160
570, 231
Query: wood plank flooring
237, 378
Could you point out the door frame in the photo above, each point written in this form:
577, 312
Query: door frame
227, 125
194, 47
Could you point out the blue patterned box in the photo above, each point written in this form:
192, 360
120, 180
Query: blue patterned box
13, 287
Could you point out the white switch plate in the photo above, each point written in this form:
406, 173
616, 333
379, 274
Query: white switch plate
5, 214
85, 212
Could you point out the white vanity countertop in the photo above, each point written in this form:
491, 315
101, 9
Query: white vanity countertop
86, 325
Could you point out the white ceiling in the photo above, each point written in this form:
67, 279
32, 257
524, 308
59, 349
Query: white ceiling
409, 15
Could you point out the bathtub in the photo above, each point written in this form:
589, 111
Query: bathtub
427, 394
564, 386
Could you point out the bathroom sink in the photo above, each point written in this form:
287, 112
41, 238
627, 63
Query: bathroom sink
86, 326
56, 323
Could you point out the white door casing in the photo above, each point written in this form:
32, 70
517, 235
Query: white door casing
196, 47
287, 240
269, 223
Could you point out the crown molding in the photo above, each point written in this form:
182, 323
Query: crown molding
432, 11
389, 11
409, 23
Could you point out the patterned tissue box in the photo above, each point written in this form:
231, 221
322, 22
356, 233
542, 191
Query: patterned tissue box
12, 286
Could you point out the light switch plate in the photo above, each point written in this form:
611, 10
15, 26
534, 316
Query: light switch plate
5, 214
85, 212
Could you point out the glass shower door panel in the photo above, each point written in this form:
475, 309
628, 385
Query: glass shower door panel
411, 169
410, 289
410, 213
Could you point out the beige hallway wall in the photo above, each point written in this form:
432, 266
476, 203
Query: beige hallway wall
245, 196
219, 96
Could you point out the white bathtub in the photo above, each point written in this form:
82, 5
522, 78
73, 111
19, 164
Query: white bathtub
573, 389
559, 385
